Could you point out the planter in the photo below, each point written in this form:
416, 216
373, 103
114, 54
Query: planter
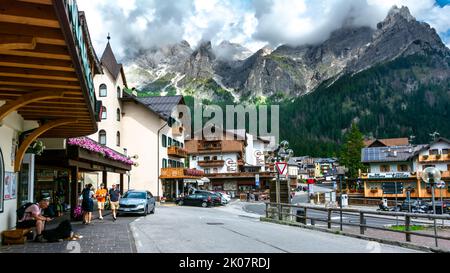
374, 191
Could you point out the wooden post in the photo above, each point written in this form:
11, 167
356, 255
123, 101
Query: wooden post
408, 228
329, 219
280, 211
73, 190
361, 223
267, 210
305, 217
121, 184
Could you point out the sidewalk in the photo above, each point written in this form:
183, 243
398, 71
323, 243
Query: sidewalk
102, 236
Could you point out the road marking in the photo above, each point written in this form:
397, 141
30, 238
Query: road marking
338, 218
139, 219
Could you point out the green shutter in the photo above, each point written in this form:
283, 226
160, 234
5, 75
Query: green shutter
164, 141
164, 163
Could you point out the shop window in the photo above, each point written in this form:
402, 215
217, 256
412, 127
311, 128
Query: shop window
119, 95
118, 139
104, 113
385, 168
164, 141
102, 137
118, 114
103, 90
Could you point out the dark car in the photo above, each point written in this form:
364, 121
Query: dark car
197, 199
439, 206
413, 204
141, 202
217, 199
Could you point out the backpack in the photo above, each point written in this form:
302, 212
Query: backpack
21, 211
63, 231
85, 195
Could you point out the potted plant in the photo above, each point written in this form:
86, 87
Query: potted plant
36, 148
425, 157
438, 156
374, 189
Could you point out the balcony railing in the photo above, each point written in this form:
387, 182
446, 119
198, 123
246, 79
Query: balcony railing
434, 158
180, 173
211, 163
444, 174
177, 152
388, 175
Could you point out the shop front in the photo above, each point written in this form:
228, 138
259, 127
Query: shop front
177, 182
235, 184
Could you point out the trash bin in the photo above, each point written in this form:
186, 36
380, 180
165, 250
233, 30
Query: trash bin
344, 200
300, 214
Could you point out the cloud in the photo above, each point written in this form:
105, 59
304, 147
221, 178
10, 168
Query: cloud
141, 24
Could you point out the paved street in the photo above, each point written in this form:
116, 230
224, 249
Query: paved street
229, 229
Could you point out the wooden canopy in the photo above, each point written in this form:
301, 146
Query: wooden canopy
43, 75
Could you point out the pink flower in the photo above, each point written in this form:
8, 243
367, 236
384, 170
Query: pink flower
91, 145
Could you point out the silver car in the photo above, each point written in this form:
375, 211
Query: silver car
134, 201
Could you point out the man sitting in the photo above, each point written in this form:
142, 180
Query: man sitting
33, 218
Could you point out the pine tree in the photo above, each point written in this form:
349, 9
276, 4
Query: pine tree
350, 155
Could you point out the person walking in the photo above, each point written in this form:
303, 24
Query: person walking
114, 197
101, 194
87, 203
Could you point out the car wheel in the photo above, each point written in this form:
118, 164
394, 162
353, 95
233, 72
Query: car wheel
145, 211
180, 203
153, 210
204, 204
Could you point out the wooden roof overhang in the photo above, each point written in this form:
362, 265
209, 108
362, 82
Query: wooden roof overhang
44, 73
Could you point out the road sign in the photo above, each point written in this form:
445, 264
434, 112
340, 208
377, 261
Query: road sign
440, 185
282, 168
257, 180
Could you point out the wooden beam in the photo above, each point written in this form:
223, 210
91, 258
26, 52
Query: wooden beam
21, 90
42, 2
15, 42
12, 11
39, 83
12, 106
17, 72
35, 135
40, 51
36, 63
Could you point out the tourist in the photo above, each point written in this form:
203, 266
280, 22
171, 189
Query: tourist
33, 218
100, 194
114, 197
87, 203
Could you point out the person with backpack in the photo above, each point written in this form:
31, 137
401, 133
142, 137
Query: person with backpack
30, 215
87, 203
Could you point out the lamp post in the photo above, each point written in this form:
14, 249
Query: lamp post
432, 176
341, 170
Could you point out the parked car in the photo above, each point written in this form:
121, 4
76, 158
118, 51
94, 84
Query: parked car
416, 206
225, 197
439, 206
217, 199
136, 201
197, 199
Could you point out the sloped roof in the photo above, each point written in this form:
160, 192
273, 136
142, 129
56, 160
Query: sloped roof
109, 61
389, 154
161, 106
426, 147
388, 142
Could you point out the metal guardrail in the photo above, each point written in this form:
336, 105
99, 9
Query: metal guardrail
363, 214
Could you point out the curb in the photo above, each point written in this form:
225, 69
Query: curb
363, 237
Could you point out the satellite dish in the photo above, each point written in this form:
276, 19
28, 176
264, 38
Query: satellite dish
431, 175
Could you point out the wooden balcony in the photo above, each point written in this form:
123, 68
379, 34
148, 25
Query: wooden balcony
211, 163
434, 158
177, 152
180, 173
445, 174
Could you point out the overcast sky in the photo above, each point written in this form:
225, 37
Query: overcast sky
137, 24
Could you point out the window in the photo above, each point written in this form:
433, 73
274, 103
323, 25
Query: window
445, 151
385, 168
104, 113
170, 142
103, 90
215, 170
207, 158
119, 95
164, 163
402, 168
207, 171
102, 137
118, 114
448, 167
164, 141
182, 145
194, 158
434, 152
118, 139
214, 157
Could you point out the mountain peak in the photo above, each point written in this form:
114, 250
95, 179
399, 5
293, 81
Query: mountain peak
403, 12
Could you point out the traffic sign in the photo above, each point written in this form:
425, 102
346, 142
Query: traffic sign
257, 180
282, 168
440, 185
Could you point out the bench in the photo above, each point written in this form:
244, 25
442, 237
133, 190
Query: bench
15, 237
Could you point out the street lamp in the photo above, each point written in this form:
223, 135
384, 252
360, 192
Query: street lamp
432, 176
341, 170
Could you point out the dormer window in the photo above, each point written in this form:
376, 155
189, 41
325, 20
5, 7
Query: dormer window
103, 91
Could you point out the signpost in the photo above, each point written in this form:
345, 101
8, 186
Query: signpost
432, 176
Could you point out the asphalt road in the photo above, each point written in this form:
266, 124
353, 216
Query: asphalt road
231, 230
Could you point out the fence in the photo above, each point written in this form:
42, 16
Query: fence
273, 209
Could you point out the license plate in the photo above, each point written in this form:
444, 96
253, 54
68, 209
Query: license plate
126, 209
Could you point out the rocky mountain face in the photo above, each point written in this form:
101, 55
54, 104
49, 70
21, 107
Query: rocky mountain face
228, 72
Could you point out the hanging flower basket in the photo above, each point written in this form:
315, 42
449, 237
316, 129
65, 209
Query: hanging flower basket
36, 148
90, 145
